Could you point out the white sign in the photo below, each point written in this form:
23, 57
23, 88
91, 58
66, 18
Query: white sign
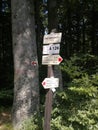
51, 49
52, 38
50, 83
51, 59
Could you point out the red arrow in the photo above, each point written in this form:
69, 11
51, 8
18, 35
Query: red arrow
34, 63
60, 59
43, 83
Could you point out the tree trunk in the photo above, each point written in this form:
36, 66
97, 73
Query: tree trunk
26, 83
93, 43
52, 14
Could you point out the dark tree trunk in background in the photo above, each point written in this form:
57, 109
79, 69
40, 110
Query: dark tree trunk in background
39, 28
83, 33
6, 59
52, 14
26, 83
93, 42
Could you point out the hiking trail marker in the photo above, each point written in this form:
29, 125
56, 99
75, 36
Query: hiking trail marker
50, 57
52, 38
50, 83
51, 49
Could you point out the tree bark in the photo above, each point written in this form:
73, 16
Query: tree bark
26, 82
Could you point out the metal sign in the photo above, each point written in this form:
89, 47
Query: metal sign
51, 59
52, 38
50, 83
51, 49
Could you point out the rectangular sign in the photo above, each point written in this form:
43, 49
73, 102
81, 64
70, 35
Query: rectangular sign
52, 38
50, 83
51, 49
51, 59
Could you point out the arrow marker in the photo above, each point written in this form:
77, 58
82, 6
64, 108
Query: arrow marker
50, 83
60, 59
43, 83
51, 59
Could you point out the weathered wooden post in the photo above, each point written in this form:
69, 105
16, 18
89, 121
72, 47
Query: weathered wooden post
50, 57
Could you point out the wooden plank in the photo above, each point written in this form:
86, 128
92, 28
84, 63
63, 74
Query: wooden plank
52, 38
50, 83
51, 59
51, 49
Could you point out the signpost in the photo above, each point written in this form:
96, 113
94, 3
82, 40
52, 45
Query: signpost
50, 57
52, 38
50, 83
51, 49
48, 102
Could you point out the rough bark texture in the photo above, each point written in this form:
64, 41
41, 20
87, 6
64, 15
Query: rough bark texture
26, 84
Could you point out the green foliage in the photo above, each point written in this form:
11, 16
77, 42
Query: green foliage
6, 94
5, 120
76, 108
6, 126
78, 66
34, 123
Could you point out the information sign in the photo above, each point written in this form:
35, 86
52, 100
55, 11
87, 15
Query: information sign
50, 83
51, 59
51, 49
52, 38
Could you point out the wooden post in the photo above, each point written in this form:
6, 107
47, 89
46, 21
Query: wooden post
48, 102
49, 97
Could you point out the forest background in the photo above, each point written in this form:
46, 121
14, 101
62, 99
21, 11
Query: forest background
75, 106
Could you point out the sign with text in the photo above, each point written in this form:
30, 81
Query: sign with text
51, 59
51, 49
52, 38
50, 83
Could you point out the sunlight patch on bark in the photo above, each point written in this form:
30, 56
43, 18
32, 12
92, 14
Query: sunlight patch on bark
30, 74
